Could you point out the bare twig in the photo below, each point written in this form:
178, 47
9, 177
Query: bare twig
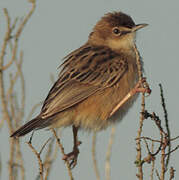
24, 22
63, 153
11, 99
2, 88
139, 132
41, 170
9, 115
13, 81
163, 145
20, 114
18, 118
171, 151
166, 124
50, 158
159, 148
148, 138
153, 163
20, 159
108, 153
44, 146
173, 139
157, 174
5, 112
147, 146
150, 156
96, 170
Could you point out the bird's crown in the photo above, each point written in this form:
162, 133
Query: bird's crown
118, 19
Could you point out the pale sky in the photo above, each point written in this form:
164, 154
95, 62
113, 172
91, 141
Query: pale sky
59, 27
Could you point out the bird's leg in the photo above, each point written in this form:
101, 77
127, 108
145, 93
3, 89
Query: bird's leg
141, 86
72, 156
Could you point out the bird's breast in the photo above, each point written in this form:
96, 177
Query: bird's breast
94, 112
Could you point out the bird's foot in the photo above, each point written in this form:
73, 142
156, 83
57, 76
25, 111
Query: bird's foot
142, 86
72, 156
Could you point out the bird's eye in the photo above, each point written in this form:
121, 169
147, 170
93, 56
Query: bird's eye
116, 31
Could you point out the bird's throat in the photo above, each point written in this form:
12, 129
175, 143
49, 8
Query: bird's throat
124, 44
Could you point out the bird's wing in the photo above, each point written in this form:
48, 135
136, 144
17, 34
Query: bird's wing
84, 72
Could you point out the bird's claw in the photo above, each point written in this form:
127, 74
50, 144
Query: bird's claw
72, 156
143, 87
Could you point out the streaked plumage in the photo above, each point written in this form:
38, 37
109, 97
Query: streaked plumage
93, 79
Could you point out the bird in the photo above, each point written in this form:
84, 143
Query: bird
97, 83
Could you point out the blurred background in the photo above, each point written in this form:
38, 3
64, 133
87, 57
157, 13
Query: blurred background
58, 27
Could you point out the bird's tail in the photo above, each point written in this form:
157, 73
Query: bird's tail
28, 127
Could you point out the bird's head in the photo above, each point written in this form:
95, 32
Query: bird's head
116, 31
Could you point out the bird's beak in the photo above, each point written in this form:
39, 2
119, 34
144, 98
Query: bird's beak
138, 26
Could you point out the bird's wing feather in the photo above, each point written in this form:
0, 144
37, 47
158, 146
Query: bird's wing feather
85, 71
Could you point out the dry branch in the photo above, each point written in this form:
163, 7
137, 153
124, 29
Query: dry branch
139, 132
63, 153
108, 154
9, 112
41, 169
95, 167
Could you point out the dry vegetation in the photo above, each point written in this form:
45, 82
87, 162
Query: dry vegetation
149, 150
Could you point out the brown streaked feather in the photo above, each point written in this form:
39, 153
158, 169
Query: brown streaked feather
71, 94
85, 71
94, 79
28, 127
